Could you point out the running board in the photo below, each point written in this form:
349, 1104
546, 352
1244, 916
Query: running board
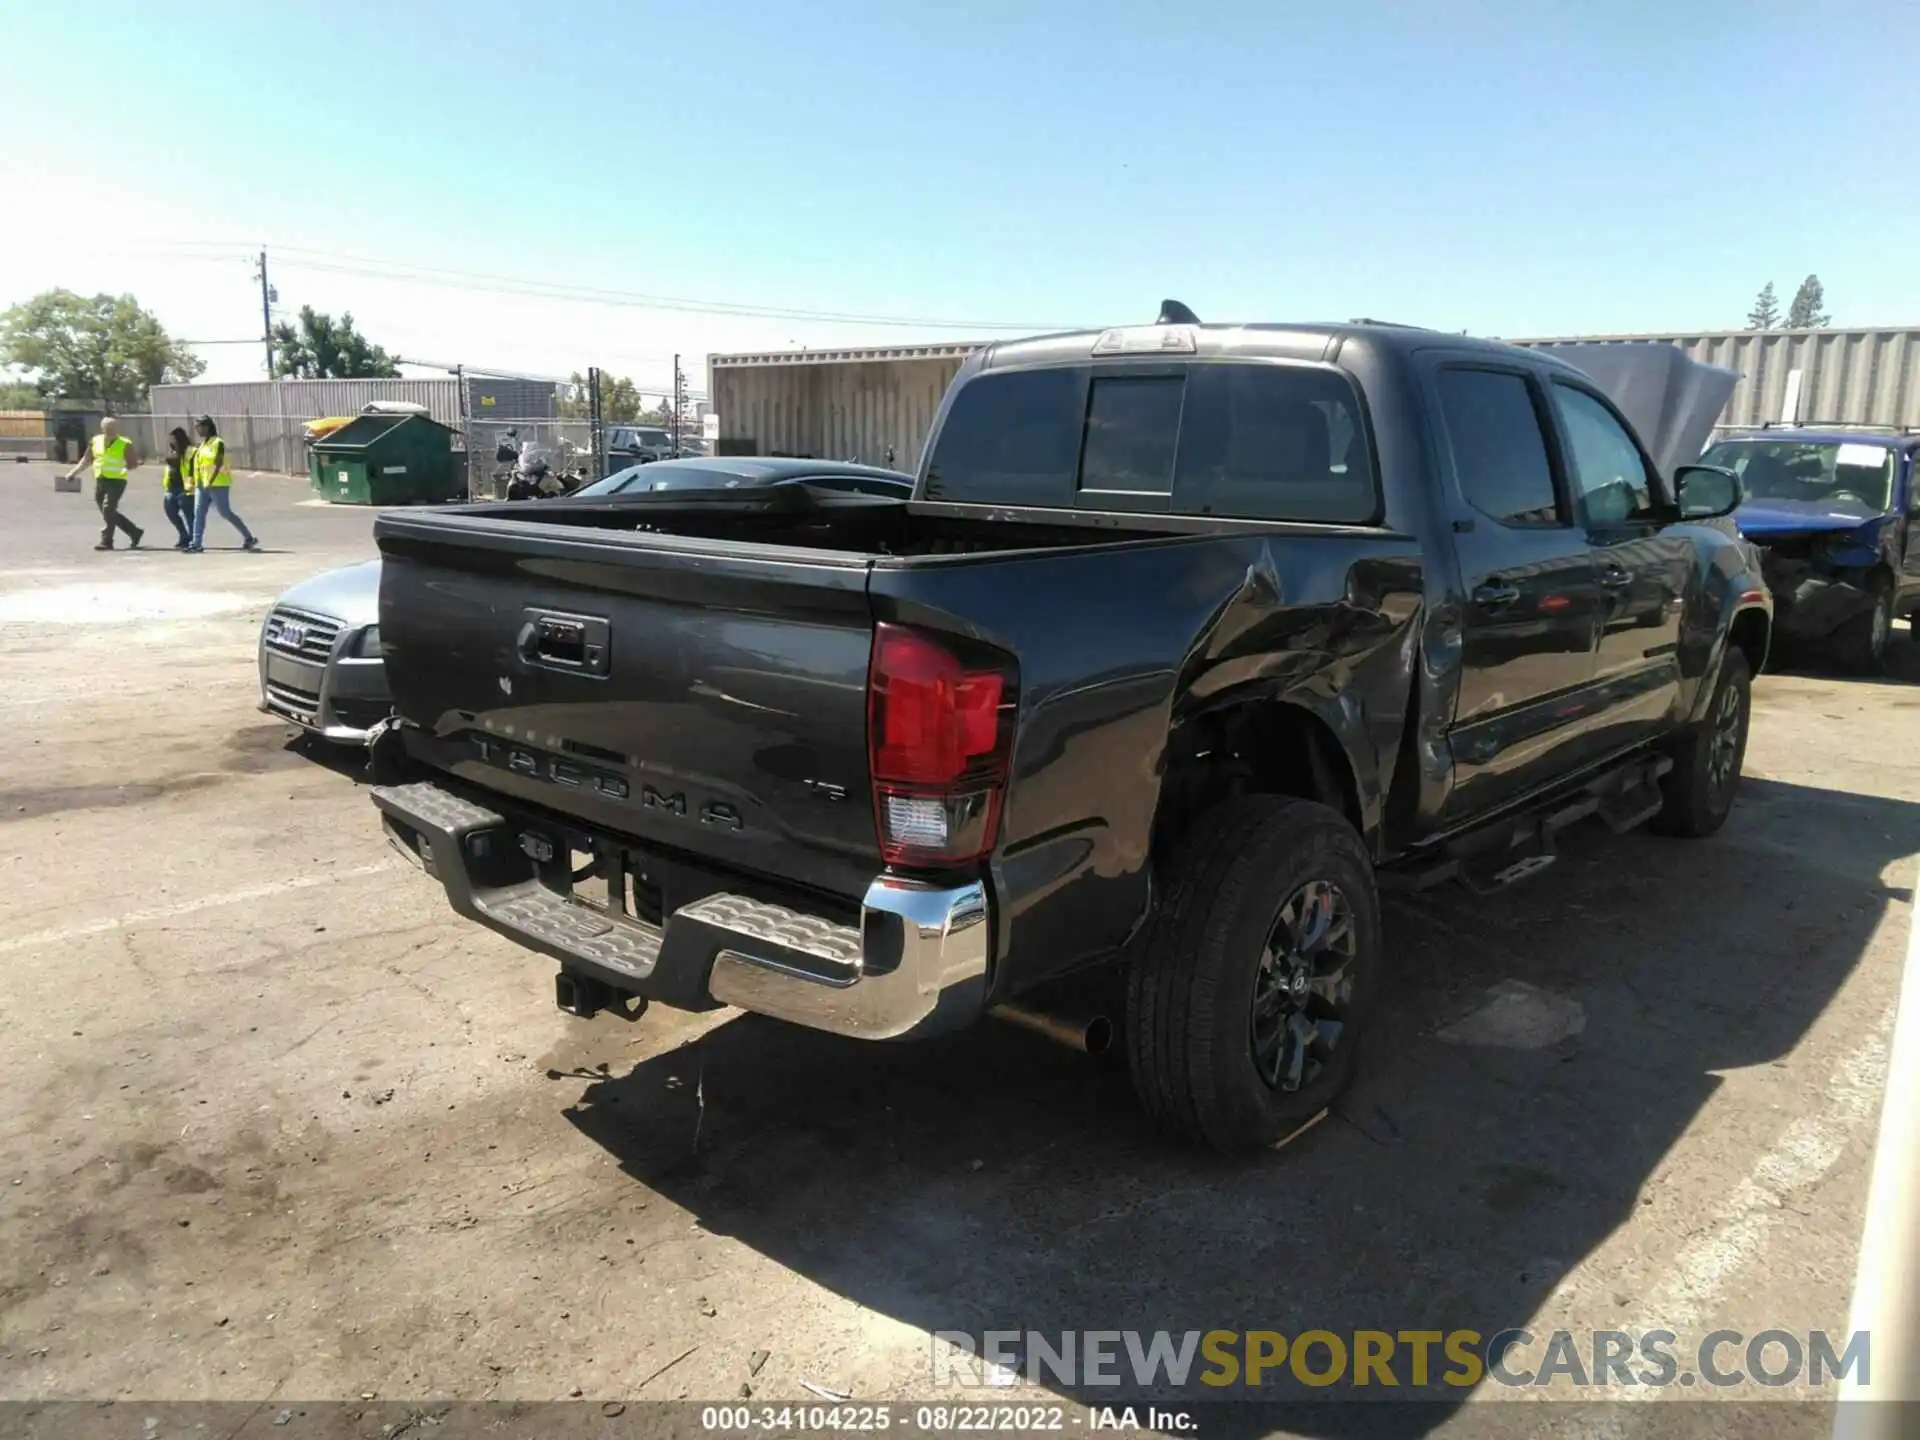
1519, 845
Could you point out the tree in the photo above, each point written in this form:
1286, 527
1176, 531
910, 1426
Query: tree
16, 396
325, 349
619, 400
1805, 313
104, 348
1765, 313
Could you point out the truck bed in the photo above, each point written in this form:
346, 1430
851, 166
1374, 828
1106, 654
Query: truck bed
722, 709
861, 527
719, 728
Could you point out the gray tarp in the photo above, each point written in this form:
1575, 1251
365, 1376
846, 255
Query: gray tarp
1673, 401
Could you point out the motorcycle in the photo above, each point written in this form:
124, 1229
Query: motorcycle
522, 476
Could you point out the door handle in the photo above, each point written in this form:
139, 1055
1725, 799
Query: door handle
1615, 578
1495, 594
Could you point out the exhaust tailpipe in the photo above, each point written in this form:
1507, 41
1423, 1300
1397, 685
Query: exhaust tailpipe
1089, 1034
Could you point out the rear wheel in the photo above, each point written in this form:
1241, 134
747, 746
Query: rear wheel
1863, 640
1247, 994
1698, 792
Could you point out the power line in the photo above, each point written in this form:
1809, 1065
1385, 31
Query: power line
333, 263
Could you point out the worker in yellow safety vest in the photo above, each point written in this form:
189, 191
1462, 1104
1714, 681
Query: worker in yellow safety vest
215, 483
113, 458
178, 504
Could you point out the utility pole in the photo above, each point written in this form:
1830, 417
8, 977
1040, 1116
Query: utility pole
467, 447
677, 398
267, 297
596, 424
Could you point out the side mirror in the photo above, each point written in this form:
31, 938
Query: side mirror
1706, 492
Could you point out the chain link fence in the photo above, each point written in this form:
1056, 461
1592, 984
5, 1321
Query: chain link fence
492, 448
494, 419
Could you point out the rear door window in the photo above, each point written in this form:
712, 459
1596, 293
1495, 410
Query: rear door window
1237, 440
1499, 449
1274, 442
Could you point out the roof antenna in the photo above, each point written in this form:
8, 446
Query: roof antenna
1172, 312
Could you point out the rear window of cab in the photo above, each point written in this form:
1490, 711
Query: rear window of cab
1257, 441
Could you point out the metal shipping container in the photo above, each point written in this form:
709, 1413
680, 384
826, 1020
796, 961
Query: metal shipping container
848, 404
863, 405
1846, 377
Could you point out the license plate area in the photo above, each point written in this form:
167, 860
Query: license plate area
595, 872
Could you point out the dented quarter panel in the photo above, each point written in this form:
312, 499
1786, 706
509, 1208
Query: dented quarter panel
1120, 647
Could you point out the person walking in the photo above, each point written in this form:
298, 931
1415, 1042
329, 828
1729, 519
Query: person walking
114, 459
215, 485
180, 486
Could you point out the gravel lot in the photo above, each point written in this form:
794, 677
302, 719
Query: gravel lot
280, 1126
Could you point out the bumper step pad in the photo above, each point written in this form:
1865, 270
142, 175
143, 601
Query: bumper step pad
430, 805
776, 925
630, 946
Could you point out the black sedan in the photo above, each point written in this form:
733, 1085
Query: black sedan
750, 473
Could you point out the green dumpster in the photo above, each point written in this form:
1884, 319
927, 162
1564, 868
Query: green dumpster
386, 460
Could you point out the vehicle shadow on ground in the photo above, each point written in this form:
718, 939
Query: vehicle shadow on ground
994, 1181
279, 745
347, 761
1902, 665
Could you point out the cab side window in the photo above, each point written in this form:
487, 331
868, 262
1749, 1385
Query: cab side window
1611, 483
1499, 449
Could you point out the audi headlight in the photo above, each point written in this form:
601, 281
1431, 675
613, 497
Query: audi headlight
367, 647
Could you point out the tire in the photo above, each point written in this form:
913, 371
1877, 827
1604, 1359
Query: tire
1698, 793
1256, 871
1863, 640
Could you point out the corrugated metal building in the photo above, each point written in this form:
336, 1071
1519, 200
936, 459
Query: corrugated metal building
854, 404
306, 399
264, 421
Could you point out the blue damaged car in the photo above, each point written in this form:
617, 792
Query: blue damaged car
1835, 513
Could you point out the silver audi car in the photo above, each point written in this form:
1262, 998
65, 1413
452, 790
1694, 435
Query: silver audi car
320, 661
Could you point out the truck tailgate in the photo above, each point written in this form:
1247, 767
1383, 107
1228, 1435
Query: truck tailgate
705, 698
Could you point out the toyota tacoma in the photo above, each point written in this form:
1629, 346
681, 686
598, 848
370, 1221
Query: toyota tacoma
1189, 638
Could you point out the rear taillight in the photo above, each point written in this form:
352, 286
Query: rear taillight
939, 732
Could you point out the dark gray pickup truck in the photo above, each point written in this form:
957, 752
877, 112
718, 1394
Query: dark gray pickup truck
1190, 637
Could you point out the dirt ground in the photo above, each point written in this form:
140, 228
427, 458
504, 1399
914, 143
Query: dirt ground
280, 1125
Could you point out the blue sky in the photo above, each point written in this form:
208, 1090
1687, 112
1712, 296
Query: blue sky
1505, 168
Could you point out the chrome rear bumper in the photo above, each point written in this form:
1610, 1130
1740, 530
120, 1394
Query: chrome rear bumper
915, 964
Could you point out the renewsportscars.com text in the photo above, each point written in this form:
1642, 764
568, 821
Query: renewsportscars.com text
1398, 1359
